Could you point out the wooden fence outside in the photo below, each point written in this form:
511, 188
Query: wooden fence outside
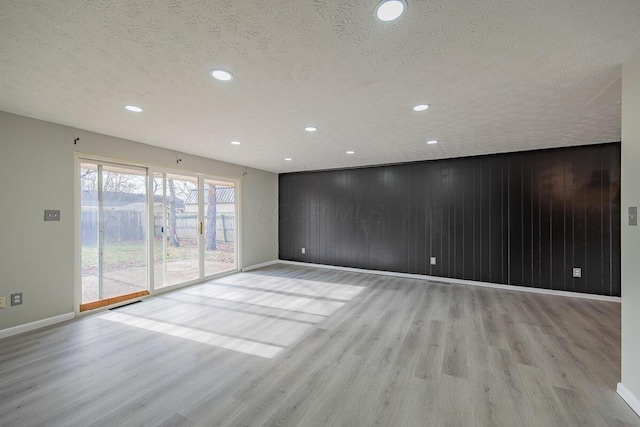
129, 225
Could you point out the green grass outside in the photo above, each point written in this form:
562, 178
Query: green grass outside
119, 256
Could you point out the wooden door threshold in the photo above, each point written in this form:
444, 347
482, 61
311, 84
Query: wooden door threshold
108, 301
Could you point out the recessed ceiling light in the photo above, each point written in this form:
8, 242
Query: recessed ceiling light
235, 142
388, 10
288, 159
133, 108
221, 74
311, 128
433, 141
351, 152
421, 107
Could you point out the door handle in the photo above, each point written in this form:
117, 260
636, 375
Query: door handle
200, 227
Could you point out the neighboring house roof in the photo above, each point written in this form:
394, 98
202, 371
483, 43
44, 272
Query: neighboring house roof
223, 195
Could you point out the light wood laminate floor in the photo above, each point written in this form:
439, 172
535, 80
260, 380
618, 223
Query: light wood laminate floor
298, 346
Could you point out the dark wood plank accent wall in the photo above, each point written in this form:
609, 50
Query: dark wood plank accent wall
523, 218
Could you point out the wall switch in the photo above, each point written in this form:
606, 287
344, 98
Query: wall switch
433, 260
633, 215
50, 215
304, 251
2, 303
16, 299
577, 272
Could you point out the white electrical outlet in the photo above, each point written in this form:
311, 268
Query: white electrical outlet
433, 260
577, 272
304, 251
2, 303
50, 215
16, 299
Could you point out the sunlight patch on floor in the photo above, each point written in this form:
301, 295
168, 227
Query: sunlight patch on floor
269, 299
247, 313
302, 287
222, 341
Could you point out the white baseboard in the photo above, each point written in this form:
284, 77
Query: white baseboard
629, 397
35, 325
460, 281
257, 266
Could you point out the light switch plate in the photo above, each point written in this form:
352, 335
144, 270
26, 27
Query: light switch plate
51, 215
433, 260
633, 215
2, 302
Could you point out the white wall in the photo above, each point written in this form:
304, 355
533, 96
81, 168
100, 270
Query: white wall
37, 173
630, 235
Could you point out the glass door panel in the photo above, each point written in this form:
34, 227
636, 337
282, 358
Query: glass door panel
113, 205
219, 226
125, 217
89, 231
160, 221
181, 230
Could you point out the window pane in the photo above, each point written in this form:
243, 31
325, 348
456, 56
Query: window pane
89, 230
124, 195
219, 234
114, 230
181, 230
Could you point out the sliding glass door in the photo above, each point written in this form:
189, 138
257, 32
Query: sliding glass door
113, 223
180, 227
176, 247
187, 245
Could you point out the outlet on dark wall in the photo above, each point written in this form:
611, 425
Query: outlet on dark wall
525, 218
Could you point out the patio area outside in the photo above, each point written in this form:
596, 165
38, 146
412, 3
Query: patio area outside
125, 266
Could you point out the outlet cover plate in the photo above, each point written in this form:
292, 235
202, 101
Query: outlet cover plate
433, 260
577, 272
51, 215
16, 299
304, 251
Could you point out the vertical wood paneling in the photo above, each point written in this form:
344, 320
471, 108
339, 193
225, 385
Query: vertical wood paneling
515, 202
529, 237
458, 222
559, 199
546, 185
498, 223
486, 188
436, 217
447, 222
466, 169
426, 190
521, 218
593, 239
614, 220
568, 223
416, 225
580, 179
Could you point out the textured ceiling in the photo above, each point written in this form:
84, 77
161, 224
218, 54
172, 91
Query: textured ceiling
500, 75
